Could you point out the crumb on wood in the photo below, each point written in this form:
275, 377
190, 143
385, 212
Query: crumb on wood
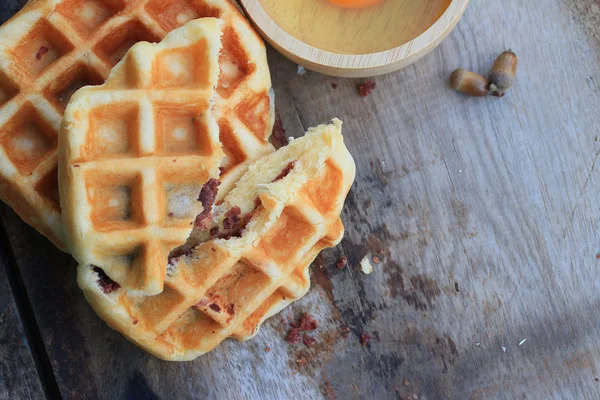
301, 361
344, 331
365, 339
456, 287
405, 382
334, 85
366, 88
343, 261
365, 265
376, 260
306, 323
308, 340
267, 349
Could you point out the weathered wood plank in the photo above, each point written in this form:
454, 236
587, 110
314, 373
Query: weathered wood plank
486, 212
19, 377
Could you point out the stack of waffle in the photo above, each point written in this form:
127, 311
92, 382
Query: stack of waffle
188, 226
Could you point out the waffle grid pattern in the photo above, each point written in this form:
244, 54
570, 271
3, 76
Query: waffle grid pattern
53, 47
140, 148
224, 289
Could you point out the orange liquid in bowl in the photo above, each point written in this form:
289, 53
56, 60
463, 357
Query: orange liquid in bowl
342, 30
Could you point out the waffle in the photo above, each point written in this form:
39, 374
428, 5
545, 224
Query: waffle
246, 266
137, 151
51, 48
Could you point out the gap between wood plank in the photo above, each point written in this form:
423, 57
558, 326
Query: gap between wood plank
26, 315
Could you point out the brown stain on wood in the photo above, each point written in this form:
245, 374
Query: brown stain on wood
441, 345
320, 277
317, 355
420, 294
491, 307
462, 224
327, 389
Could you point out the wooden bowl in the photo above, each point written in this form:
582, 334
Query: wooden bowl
430, 24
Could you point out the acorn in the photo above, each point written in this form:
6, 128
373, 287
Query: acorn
469, 83
502, 75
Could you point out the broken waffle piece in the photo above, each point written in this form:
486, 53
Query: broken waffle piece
51, 48
250, 263
127, 204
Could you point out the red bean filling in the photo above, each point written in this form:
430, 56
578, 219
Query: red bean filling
207, 197
285, 172
367, 88
305, 323
106, 284
43, 50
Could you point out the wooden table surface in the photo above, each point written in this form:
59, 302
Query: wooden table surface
486, 211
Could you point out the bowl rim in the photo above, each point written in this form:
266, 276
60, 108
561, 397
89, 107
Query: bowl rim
308, 53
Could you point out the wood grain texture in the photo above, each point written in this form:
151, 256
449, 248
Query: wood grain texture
486, 212
19, 377
365, 64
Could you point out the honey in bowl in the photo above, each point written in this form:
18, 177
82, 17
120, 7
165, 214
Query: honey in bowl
355, 26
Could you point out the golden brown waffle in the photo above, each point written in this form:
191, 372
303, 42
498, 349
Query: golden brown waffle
135, 152
51, 48
252, 261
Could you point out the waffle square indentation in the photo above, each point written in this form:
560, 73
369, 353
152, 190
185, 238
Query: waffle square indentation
180, 67
323, 195
172, 14
47, 187
159, 307
41, 47
115, 200
292, 229
182, 130
62, 88
28, 139
233, 292
233, 149
114, 131
181, 200
234, 62
254, 113
115, 45
8, 89
88, 15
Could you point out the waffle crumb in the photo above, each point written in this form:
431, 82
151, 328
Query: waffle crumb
308, 340
306, 323
344, 331
366, 88
365, 339
365, 266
